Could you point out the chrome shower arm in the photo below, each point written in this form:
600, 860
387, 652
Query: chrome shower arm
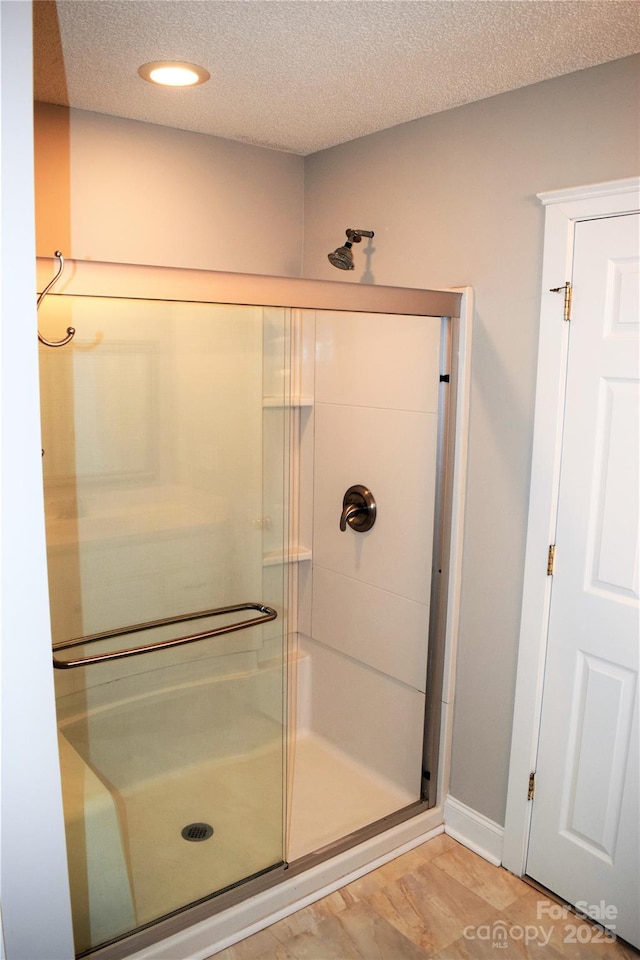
356, 235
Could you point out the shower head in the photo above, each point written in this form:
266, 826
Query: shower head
342, 257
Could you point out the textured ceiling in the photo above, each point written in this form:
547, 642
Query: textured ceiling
302, 75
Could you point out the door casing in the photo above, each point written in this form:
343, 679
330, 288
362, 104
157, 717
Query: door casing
564, 208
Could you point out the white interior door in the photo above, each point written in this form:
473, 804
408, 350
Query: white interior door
584, 842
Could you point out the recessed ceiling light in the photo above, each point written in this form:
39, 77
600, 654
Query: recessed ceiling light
173, 73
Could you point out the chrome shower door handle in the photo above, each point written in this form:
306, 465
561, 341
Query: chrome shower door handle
358, 509
267, 613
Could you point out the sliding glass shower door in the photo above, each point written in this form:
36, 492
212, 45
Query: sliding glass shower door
165, 460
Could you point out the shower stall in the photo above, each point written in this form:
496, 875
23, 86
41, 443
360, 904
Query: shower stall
246, 495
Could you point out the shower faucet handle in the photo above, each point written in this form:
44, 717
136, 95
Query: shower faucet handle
349, 513
358, 509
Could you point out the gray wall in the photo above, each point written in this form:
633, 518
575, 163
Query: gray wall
121, 190
452, 201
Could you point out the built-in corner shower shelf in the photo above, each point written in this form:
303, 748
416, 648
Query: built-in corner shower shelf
280, 402
295, 555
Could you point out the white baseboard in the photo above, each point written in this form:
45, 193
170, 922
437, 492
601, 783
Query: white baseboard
473, 830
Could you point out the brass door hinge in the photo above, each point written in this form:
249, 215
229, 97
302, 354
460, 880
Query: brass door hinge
532, 786
566, 287
551, 556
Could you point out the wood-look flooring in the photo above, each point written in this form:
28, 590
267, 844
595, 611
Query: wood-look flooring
439, 901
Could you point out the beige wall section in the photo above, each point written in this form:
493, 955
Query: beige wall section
52, 180
140, 193
452, 201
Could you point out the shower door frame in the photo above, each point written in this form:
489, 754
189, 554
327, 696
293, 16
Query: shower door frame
91, 278
132, 281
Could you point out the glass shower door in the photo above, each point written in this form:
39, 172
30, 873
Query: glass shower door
165, 459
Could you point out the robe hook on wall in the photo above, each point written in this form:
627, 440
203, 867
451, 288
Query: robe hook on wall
70, 330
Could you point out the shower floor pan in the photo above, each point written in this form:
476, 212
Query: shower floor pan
137, 772
333, 796
126, 806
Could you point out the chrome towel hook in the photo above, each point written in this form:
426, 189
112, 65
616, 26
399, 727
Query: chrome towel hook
70, 330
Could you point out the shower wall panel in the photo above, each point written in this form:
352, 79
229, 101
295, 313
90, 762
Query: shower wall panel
391, 452
375, 423
359, 620
372, 718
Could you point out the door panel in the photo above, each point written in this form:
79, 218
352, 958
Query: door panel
584, 841
164, 429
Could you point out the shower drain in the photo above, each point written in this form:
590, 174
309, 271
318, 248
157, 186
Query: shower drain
197, 831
